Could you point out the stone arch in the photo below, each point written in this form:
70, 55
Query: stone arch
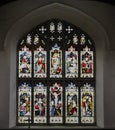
74, 16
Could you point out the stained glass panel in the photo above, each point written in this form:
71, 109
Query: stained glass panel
40, 100
56, 106
87, 65
40, 63
87, 103
29, 39
72, 101
25, 63
52, 27
59, 27
75, 39
56, 62
71, 63
82, 40
36, 39
24, 102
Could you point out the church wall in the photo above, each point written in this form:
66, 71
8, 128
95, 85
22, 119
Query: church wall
109, 89
4, 89
54, 11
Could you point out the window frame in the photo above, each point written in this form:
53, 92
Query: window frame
63, 79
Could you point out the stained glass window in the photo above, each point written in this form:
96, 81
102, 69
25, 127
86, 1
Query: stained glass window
56, 103
40, 65
86, 62
56, 76
72, 103
71, 60
56, 62
24, 102
40, 99
25, 64
87, 103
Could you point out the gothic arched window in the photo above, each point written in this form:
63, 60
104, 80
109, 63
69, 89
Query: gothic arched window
56, 75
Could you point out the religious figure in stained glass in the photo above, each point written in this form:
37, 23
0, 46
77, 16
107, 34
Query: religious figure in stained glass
87, 63
56, 103
56, 62
71, 60
25, 58
72, 107
24, 102
40, 103
87, 103
40, 62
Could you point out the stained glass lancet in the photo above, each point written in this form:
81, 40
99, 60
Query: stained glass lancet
56, 111
56, 62
25, 62
71, 62
40, 63
40, 100
87, 64
72, 103
24, 102
87, 103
